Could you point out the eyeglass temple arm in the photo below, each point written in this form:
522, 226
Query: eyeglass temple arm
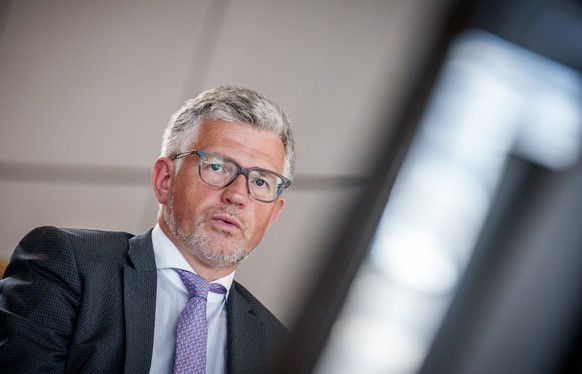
181, 155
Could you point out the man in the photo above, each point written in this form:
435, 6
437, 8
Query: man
80, 301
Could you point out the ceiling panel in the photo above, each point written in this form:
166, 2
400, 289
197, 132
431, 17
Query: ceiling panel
93, 82
338, 67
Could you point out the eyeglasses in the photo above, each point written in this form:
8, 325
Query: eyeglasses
220, 171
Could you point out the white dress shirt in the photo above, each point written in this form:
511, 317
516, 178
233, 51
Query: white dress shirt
171, 298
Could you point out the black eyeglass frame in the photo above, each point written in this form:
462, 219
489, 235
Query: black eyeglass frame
239, 170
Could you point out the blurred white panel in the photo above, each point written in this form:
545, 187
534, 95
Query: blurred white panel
479, 115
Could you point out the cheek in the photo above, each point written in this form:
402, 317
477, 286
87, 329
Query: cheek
187, 201
261, 222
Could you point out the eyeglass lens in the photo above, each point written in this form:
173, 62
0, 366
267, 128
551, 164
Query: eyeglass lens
219, 171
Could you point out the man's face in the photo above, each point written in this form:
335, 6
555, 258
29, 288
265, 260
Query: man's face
215, 226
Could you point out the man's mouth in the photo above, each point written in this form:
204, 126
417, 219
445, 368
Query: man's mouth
227, 222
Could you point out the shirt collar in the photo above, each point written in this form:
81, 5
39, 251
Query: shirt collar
168, 257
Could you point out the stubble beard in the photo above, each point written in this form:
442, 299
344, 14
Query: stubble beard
198, 243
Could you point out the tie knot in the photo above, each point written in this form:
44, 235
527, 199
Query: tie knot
217, 288
198, 286
195, 284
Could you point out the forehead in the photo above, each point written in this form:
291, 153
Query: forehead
249, 146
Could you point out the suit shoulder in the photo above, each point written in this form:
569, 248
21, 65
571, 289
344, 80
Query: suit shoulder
83, 243
50, 233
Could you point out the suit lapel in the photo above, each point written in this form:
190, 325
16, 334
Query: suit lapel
140, 282
246, 336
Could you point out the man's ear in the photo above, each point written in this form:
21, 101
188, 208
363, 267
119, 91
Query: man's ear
277, 210
162, 174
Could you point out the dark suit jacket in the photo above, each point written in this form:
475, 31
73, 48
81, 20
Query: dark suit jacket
80, 301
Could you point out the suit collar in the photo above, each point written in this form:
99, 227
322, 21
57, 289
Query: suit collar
141, 252
246, 335
140, 282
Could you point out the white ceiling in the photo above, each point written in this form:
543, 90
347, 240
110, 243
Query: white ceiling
87, 87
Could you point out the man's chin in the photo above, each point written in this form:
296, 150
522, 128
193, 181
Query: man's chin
222, 259
224, 251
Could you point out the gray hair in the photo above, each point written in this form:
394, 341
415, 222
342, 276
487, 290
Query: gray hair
230, 104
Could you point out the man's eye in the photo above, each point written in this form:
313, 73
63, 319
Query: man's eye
215, 167
262, 183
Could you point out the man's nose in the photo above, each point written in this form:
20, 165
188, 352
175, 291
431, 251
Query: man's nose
236, 192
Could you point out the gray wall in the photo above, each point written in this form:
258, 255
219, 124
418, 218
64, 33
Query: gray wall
86, 88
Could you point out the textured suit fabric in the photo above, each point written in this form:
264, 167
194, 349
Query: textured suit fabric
80, 301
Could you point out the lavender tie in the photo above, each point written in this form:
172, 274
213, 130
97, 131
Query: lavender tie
192, 330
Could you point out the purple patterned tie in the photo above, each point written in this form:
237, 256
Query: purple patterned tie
192, 330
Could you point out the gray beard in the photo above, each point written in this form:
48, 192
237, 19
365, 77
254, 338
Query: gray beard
198, 243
